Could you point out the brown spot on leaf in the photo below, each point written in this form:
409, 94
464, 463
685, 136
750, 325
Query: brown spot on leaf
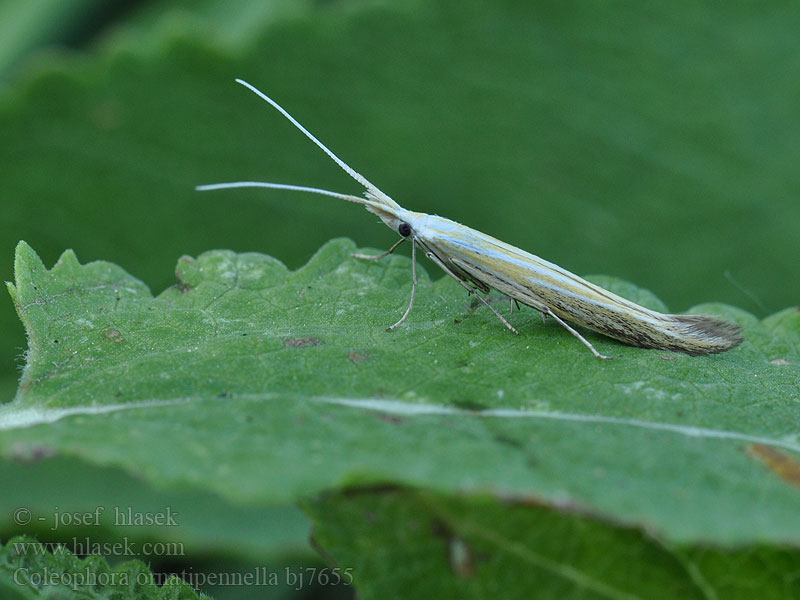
303, 342
470, 405
461, 561
459, 553
26, 453
114, 335
359, 358
391, 419
784, 465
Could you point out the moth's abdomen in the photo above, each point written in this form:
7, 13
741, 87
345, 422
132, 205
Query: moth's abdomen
691, 334
701, 334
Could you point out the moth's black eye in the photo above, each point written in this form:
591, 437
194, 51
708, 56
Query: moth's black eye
404, 229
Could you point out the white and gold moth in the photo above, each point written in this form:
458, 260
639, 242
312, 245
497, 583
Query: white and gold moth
480, 263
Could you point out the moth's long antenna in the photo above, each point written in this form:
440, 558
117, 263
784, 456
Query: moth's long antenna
374, 192
284, 186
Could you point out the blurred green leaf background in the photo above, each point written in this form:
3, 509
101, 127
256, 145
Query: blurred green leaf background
652, 143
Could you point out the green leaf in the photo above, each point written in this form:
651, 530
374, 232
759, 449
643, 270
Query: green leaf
52, 491
431, 546
268, 386
29, 570
29, 25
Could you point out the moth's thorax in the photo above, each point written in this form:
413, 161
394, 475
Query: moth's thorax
427, 226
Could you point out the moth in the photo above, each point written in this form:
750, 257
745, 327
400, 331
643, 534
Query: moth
481, 263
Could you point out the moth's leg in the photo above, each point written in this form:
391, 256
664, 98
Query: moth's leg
544, 318
511, 303
577, 335
497, 314
413, 274
413, 282
380, 256
444, 268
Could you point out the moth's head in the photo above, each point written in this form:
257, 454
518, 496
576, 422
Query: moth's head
392, 214
392, 219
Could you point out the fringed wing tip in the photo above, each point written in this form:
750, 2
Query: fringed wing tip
709, 335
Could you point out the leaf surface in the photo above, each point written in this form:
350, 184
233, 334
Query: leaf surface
479, 548
267, 385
